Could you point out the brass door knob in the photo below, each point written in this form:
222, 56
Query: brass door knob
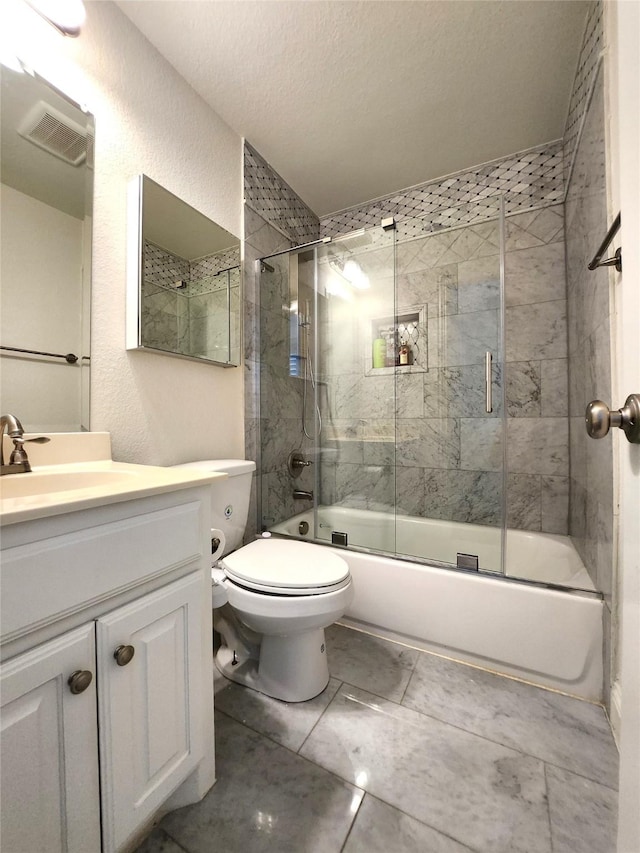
124, 655
599, 419
79, 680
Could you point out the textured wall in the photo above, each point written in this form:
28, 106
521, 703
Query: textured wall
148, 120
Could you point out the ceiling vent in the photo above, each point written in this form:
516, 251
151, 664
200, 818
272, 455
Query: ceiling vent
52, 131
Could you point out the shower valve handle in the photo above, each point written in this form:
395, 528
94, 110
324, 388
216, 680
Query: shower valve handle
296, 462
599, 418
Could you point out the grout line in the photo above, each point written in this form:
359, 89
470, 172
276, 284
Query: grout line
324, 710
546, 792
171, 838
353, 821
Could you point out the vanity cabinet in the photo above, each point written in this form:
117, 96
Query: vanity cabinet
49, 754
87, 771
150, 737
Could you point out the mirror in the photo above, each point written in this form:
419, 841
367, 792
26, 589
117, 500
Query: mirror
184, 279
46, 207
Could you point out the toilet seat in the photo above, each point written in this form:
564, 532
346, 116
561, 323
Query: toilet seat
284, 567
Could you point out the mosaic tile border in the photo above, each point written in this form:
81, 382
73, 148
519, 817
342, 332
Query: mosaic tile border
592, 43
163, 268
528, 179
271, 197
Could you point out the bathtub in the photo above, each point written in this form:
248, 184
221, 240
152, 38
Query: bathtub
551, 637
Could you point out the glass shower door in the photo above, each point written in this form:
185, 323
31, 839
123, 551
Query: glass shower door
357, 347
450, 426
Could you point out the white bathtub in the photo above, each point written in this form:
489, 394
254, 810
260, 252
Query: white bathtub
542, 557
546, 636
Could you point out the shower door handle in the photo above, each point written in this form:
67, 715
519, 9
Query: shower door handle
488, 359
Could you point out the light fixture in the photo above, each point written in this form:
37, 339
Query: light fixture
355, 275
67, 16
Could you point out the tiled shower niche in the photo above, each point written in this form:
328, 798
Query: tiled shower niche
398, 343
192, 308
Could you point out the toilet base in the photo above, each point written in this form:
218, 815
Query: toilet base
292, 668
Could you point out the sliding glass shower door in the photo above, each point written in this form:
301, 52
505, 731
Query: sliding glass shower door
381, 359
450, 427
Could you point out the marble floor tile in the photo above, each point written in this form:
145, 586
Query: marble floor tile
379, 828
583, 814
159, 842
377, 665
266, 798
558, 729
287, 723
485, 795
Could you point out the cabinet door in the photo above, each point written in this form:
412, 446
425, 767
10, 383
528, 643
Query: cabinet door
151, 734
49, 749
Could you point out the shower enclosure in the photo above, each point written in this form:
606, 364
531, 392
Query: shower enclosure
382, 370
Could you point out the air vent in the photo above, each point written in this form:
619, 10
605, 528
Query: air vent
52, 131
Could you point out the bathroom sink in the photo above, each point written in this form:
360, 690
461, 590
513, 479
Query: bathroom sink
69, 486
49, 482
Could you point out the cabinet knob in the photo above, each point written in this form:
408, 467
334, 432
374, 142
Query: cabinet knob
79, 680
124, 655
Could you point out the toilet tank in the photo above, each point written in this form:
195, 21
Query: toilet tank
229, 497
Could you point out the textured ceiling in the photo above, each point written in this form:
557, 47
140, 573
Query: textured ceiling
349, 101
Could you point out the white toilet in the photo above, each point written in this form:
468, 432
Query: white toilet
272, 598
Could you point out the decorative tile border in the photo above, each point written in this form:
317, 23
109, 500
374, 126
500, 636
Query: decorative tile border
163, 269
585, 74
528, 179
271, 197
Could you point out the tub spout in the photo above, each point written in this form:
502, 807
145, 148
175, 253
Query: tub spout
302, 495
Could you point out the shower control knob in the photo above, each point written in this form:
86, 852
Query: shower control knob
124, 655
599, 418
296, 462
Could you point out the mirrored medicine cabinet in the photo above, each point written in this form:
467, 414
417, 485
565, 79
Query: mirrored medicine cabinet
46, 147
183, 296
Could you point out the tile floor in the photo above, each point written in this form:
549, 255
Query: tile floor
404, 752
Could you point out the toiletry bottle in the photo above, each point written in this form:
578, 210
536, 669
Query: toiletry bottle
404, 354
379, 355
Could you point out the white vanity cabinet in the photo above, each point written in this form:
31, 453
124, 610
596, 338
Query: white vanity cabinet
121, 592
150, 734
49, 748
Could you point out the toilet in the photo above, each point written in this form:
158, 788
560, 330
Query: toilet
272, 598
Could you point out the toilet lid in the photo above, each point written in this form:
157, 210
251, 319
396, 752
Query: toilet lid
281, 565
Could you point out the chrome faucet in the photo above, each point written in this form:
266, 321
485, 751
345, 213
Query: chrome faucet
18, 461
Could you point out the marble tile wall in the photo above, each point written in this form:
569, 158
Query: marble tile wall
272, 400
536, 395
591, 486
592, 43
420, 440
193, 319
